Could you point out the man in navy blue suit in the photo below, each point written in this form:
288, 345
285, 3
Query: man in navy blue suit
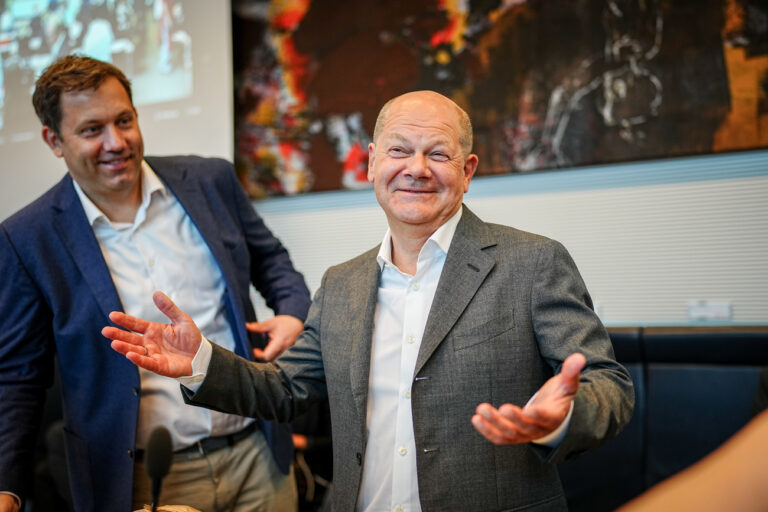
114, 229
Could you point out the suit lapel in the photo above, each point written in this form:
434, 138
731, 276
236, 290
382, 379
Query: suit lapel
195, 202
191, 197
188, 194
77, 236
466, 267
362, 300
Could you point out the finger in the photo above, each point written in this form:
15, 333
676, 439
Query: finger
131, 323
508, 427
486, 430
127, 348
571, 371
259, 327
514, 420
532, 421
144, 362
490, 431
273, 349
114, 333
258, 354
168, 308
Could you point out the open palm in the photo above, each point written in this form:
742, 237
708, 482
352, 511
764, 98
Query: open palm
166, 349
511, 424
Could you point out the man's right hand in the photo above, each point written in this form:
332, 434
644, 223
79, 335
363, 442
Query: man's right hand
8, 503
166, 349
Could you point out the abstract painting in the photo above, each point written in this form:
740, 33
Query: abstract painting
548, 84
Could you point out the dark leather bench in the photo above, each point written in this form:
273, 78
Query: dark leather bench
694, 388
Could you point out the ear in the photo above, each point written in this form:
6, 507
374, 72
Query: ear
53, 141
371, 158
470, 166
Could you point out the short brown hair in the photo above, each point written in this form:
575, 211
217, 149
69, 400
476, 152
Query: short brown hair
67, 74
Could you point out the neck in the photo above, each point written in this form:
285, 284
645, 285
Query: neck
407, 242
119, 206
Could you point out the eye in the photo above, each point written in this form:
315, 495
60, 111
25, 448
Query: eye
125, 122
439, 156
397, 152
90, 130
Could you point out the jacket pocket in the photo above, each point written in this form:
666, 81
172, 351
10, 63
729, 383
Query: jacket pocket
476, 331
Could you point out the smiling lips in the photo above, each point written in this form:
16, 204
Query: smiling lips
115, 162
414, 190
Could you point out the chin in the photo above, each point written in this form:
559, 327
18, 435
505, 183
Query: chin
415, 218
125, 179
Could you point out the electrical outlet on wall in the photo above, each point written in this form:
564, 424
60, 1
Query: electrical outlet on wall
703, 310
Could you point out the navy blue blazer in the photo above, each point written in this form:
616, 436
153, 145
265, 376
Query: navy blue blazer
55, 295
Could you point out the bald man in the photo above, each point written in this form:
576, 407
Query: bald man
461, 359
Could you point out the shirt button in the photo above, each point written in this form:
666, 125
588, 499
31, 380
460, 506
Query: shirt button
399, 509
407, 394
410, 339
402, 450
415, 287
151, 262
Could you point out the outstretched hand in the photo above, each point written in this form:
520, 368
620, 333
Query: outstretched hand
166, 349
510, 424
281, 331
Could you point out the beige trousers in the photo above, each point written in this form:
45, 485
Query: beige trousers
239, 478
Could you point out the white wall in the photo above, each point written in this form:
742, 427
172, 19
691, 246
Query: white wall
648, 237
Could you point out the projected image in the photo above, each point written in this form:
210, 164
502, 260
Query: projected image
147, 39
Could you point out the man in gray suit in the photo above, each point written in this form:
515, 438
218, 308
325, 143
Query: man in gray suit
451, 334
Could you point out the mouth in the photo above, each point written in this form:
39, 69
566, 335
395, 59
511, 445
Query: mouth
115, 163
415, 191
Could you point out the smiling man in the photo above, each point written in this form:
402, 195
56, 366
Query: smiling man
115, 228
461, 359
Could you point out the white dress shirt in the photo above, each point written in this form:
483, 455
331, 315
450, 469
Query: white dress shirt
162, 249
402, 306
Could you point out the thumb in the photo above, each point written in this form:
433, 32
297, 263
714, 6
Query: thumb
168, 308
260, 327
571, 371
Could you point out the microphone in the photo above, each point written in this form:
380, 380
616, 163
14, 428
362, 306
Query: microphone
158, 460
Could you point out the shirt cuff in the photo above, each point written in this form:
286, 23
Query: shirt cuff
554, 438
199, 367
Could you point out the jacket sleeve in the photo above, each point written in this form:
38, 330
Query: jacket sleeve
272, 272
26, 368
269, 391
565, 323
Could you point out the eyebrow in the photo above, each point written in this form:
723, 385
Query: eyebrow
99, 120
440, 141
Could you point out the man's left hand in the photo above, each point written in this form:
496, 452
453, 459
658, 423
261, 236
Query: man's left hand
510, 424
281, 331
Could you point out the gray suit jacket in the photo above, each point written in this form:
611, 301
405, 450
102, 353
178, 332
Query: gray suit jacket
509, 308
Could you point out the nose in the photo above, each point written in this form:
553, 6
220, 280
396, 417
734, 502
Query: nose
114, 140
418, 167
